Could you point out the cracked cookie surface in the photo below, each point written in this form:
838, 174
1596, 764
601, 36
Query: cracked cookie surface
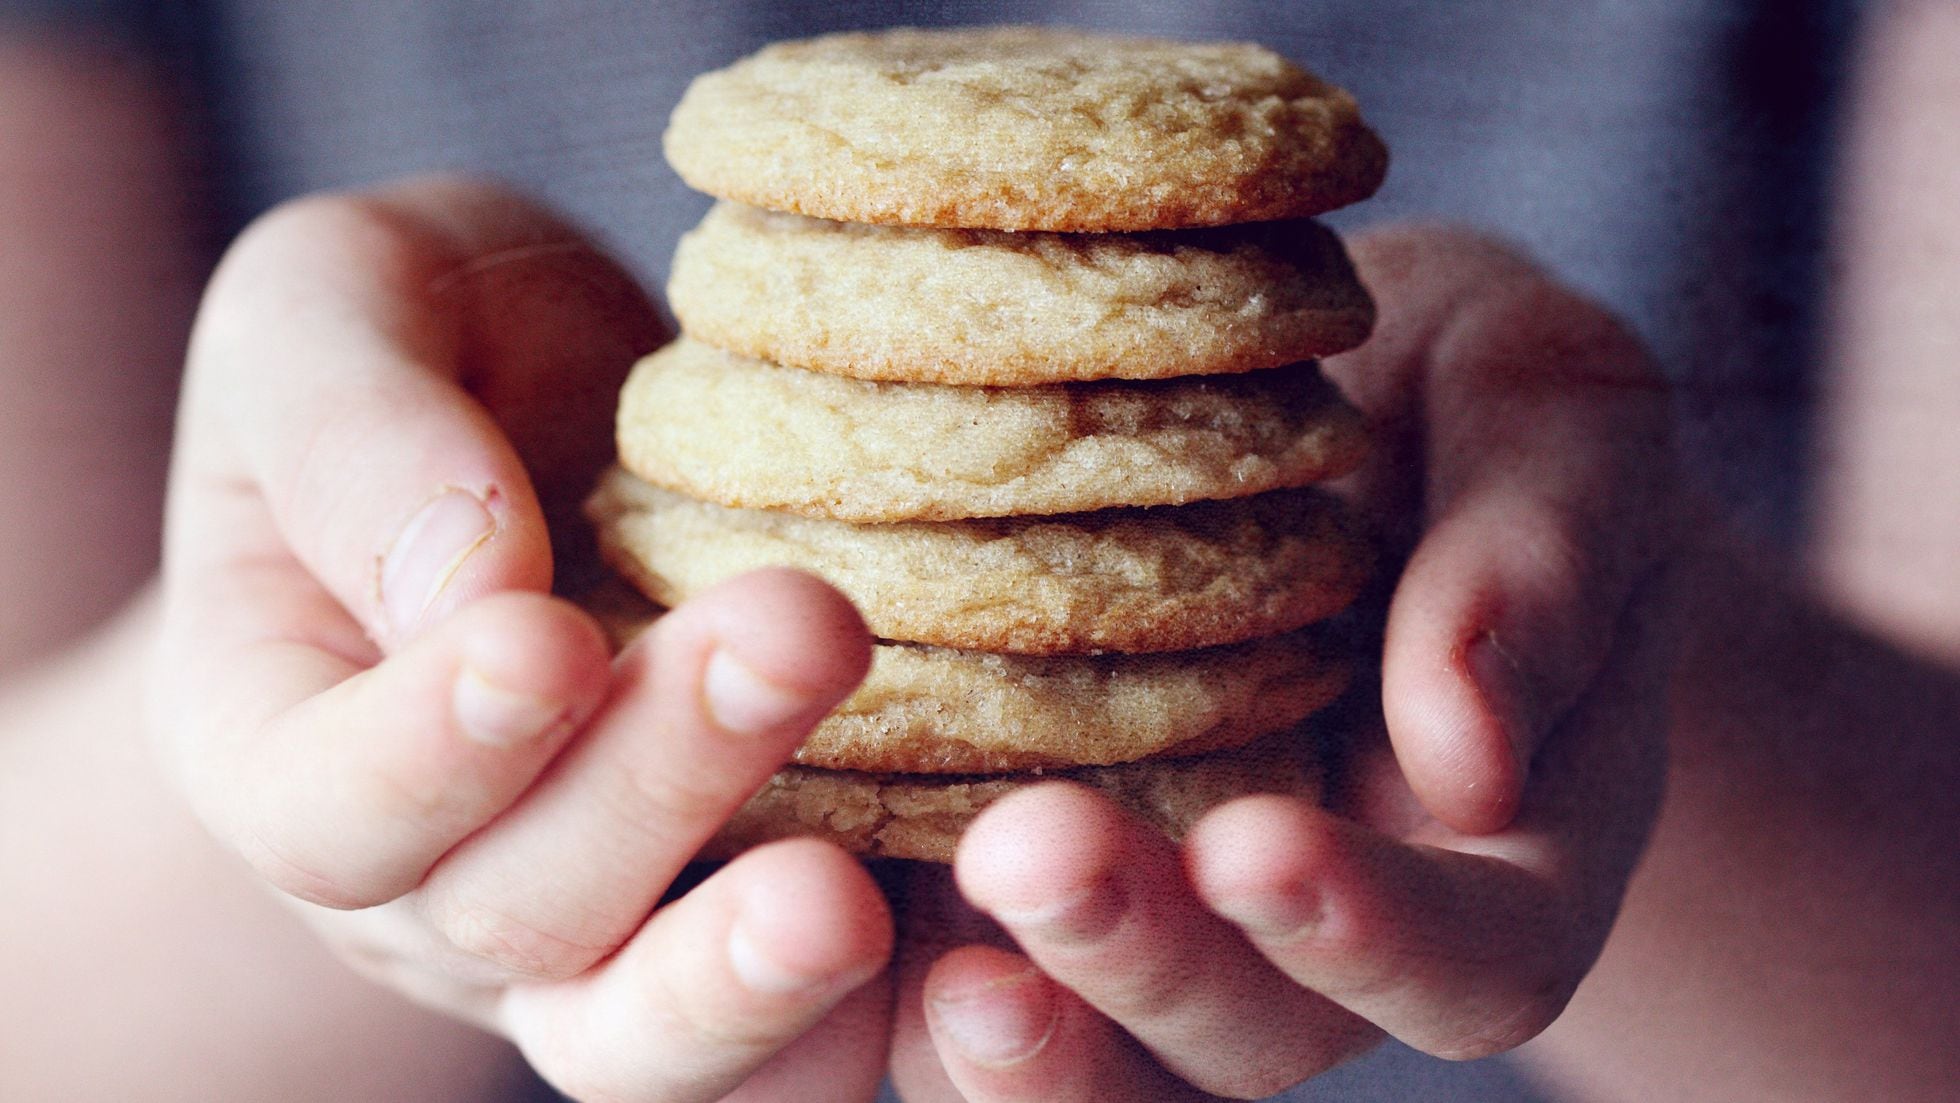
985, 307
935, 710
745, 433
1024, 128
901, 816
1131, 580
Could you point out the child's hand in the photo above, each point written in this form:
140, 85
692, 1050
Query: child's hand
364, 688
1525, 455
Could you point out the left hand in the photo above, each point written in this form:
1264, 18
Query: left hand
361, 687
1525, 462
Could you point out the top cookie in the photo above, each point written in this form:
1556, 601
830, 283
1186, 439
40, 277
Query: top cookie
1024, 128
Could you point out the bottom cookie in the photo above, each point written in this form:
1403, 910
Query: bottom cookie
921, 816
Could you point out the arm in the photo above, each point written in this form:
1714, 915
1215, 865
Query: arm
136, 960
1793, 932
1888, 527
98, 272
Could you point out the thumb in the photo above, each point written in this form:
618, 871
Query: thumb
1543, 486
331, 409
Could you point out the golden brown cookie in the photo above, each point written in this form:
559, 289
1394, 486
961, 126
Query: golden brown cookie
741, 432
1163, 579
935, 710
932, 710
1024, 128
985, 307
899, 816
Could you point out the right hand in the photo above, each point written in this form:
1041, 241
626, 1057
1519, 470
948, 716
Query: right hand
363, 686
1483, 835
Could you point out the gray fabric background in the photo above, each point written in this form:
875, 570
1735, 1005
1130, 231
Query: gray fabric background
1663, 154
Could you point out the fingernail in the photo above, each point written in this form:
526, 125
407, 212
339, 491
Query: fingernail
760, 973
1088, 915
1500, 682
1001, 1023
428, 552
743, 702
498, 717
1278, 916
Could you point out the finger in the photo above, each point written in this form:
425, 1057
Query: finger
550, 327
342, 786
715, 985
933, 919
707, 705
1469, 945
1005, 1033
327, 414
1549, 462
1418, 276
1101, 904
1456, 954
997, 1029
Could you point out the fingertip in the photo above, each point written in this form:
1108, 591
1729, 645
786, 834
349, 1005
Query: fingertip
1397, 248
965, 970
767, 654
788, 630
1038, 850
1251, 845
806, 914
715, 985
993, 1008
1460, 733
1459, 954
1004, 1030
792, 628
462, 544
537, 644
1266, 863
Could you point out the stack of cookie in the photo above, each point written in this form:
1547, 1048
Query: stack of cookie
1009, 334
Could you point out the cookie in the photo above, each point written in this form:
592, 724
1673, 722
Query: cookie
899, 816
935, 710
989, 308
1024, 128
742, 432
1133, 580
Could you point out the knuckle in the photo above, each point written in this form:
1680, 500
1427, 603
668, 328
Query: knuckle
565, 1062
1156, 993
1504, 1029
1585, 567
1302, 1053
265, 253
1480, 257
404, 797
287, 257
426, 805
712, 1022
1250, 1083
1554, 543
1571, 339
308, 880
1142, 999
518, 947
1391, 974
